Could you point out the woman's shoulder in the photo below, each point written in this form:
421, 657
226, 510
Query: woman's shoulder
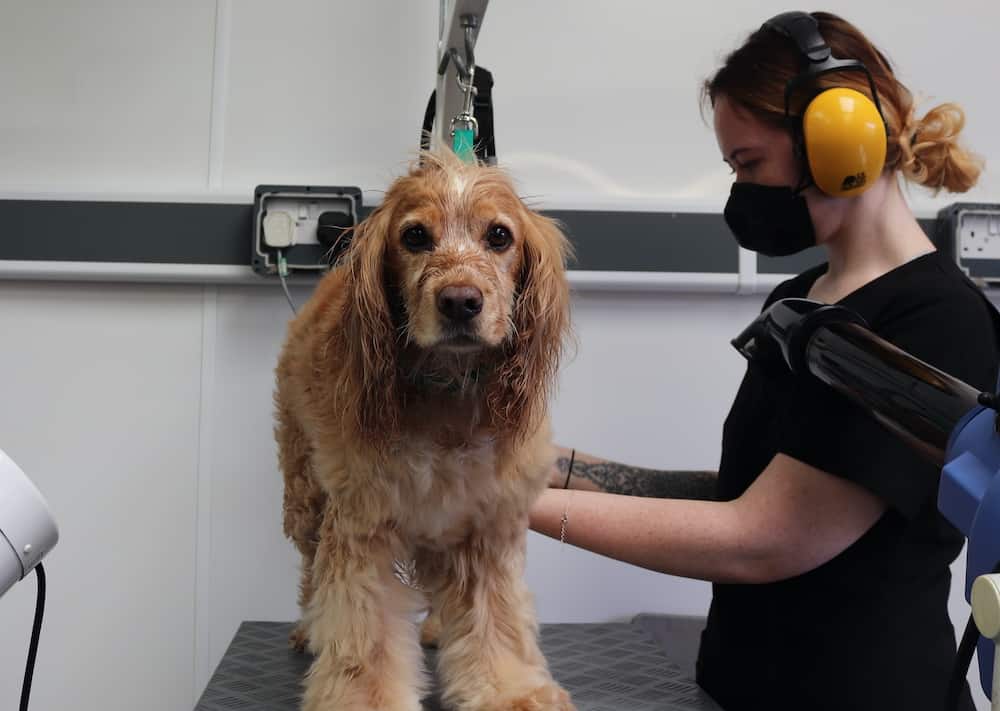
932, 285
928, 290
934, 312
796, 287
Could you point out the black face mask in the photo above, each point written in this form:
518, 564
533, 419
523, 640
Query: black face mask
771, 220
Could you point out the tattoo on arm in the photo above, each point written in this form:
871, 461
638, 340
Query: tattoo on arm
616, 478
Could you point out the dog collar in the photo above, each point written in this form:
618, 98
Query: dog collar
435, 381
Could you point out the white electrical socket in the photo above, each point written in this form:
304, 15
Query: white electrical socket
303, 213
279, 229
979, 235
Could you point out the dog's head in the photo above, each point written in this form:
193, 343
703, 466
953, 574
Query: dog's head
453, 272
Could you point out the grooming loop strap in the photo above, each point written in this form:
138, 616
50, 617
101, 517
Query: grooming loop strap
464, 127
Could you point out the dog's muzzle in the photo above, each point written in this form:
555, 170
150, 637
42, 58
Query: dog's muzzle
460, 304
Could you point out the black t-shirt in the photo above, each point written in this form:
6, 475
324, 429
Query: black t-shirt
870, 628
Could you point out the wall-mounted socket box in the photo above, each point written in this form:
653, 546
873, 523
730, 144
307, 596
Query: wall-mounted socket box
970, 233
304, 223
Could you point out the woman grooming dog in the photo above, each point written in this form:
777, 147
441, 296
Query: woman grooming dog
820, 530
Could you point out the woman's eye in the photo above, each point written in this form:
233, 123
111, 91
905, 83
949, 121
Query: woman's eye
416, 238
499, 237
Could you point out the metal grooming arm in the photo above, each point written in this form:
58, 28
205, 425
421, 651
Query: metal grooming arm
953, 424
460, 22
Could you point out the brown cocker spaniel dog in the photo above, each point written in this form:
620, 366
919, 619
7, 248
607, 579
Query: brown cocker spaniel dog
412, 426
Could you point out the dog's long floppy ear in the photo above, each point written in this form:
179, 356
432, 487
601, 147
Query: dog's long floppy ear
367, 342
541, 326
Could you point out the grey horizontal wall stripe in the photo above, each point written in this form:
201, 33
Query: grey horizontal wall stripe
649, 241
208, 233
171, 233
200, 233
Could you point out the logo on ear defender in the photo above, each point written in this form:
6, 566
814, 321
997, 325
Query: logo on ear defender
854, 181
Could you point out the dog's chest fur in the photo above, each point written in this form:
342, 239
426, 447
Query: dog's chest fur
448, 492
447, 475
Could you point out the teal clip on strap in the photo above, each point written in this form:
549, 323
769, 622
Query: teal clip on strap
462, 144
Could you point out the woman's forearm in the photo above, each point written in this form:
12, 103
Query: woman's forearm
592, 473
694, 539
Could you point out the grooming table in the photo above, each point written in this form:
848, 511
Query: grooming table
606, 667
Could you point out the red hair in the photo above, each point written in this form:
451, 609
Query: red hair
925, 150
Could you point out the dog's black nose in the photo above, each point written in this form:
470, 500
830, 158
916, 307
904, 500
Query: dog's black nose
460, 303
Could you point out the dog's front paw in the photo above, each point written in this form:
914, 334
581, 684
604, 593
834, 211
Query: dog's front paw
371, 682
430, 630
298, 640
550, 697
352, 690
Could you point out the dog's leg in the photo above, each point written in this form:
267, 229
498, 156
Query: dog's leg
432, 574
361, 626
489, 658
302, 509
430, 628
308, 524
298, 640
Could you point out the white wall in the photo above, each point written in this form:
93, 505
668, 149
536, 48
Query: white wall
110, 94
100, 406
621, 82
143, 412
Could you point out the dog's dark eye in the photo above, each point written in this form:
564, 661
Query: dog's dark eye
499, 237
417, 238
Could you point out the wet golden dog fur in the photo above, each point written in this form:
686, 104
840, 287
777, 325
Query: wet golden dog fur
412, 425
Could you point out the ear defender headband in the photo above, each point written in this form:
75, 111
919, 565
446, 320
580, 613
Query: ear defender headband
843, 133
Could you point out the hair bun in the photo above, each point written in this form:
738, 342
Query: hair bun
931, 155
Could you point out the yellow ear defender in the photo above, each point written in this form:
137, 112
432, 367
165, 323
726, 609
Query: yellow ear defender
842, 132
